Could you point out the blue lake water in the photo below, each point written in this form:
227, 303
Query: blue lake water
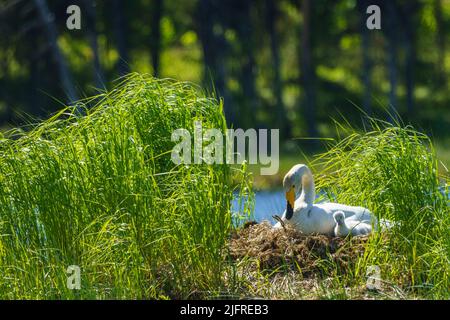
267, 203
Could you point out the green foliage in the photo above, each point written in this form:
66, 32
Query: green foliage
248, 56
100, 191
393, 171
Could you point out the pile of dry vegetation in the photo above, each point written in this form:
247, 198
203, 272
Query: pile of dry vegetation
286, 247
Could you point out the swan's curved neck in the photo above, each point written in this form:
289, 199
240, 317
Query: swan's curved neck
308, 194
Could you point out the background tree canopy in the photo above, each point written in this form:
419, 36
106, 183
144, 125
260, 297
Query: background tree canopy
288, 64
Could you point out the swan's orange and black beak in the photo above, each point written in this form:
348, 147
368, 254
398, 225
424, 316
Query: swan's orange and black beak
290, 199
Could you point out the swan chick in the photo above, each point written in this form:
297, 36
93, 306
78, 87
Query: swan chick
352, 227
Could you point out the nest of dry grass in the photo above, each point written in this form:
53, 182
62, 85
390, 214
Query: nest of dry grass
275, 249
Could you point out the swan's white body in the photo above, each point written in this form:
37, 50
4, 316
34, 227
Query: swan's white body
318, 218
311, 218
344, 227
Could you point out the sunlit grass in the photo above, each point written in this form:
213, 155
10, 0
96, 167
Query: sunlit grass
393, 170
100, 191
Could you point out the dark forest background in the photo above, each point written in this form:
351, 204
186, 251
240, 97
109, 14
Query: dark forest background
288, 64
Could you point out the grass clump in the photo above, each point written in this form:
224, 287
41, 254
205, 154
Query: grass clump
393, 171
100, 191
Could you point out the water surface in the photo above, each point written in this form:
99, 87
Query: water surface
267, 203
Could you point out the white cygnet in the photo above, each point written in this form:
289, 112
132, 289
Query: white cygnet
353, 227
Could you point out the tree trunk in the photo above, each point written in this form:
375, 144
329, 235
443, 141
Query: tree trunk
248, 68
214, 47
366, 63
120, 29
392, 58
308, 71
410, 48
33, 79
63, 70
440, 32
282, 120
92, 35
155, 41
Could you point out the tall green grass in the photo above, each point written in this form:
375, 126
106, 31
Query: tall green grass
393, 170
100, 191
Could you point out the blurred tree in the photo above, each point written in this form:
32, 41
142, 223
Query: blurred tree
91, 30
63, 71
120, 31
246, 50
408, 19
367, 63
307, 70
210, 29
391, 30
440, 33
242, 22
155, 40
34, 64
272, 14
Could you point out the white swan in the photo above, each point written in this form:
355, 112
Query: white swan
308, 217
353, 227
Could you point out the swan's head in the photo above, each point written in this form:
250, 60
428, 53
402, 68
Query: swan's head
292, 183
339, 217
